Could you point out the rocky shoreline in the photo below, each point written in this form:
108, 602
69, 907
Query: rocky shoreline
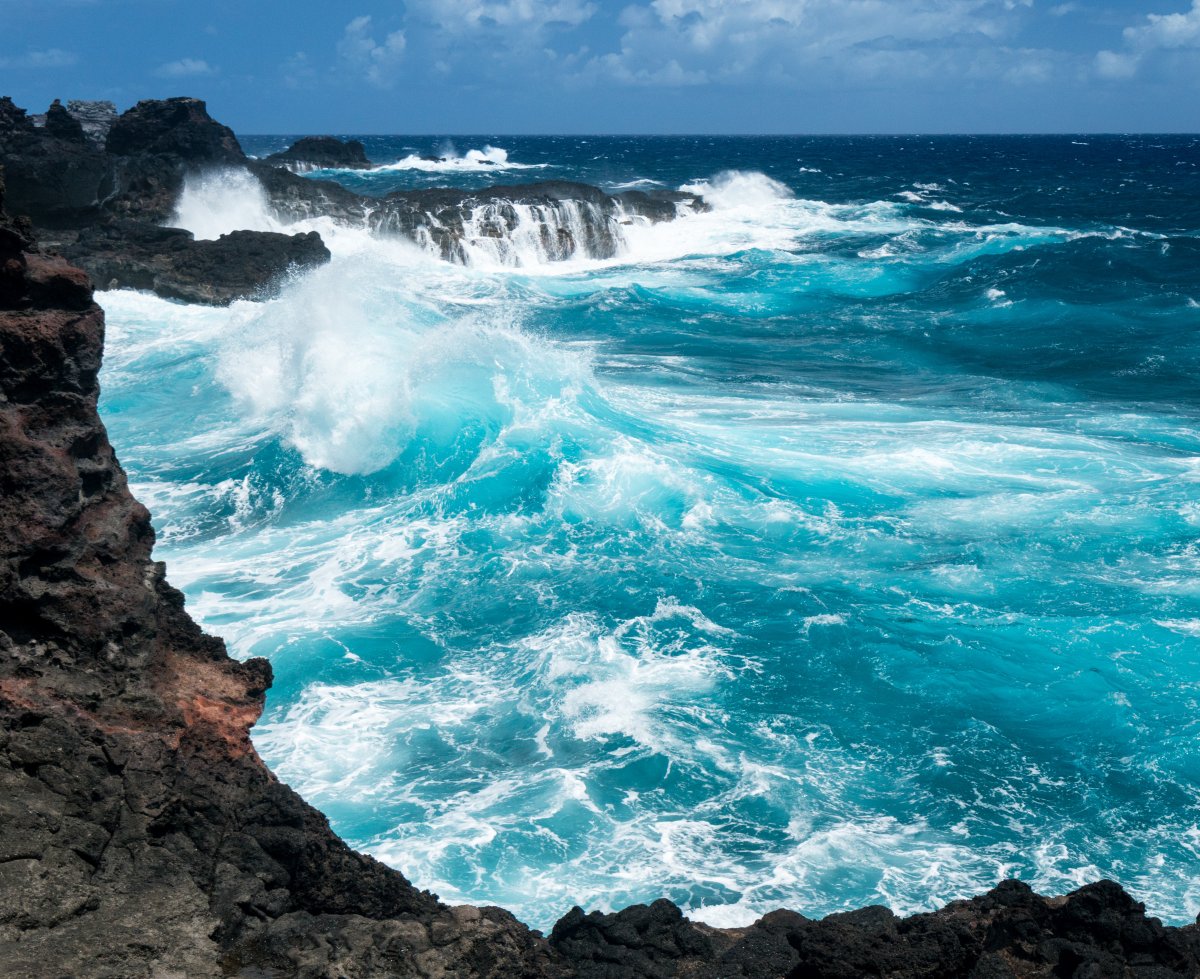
105, 194
140, 833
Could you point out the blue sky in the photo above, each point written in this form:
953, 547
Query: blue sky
628, 66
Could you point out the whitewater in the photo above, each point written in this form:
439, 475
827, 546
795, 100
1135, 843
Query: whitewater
837, 545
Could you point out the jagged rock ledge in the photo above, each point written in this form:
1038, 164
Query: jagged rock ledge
100, 187
100, 202
321, 153
142, 836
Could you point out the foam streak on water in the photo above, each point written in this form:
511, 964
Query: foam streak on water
838, 545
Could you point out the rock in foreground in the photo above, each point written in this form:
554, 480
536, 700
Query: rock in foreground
171, 263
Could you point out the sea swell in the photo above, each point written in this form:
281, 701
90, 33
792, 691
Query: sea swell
750, 565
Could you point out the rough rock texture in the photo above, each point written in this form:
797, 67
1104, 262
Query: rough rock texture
572, 219
96, 117
62, 125
178, 127
171, 263
67, 183
141, 837
140, 834
152, 148
57, 182
104, 206
317, 152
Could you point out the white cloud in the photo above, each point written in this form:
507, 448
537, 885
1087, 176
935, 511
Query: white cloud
185, 68
48, 58
1110, 64
376, 60
676, 42
529, 16
1158, 33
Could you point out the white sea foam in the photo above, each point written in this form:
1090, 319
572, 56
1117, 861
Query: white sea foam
1185, 627
488, 159
504, 756
215, 202
736, 189
348, 369
636, 184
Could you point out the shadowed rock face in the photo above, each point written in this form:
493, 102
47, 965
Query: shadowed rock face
142, 836
313, 152
105, 207
70, 187
58, 182
174, 127
169, 262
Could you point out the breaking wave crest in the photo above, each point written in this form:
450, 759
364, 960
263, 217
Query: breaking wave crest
798, 553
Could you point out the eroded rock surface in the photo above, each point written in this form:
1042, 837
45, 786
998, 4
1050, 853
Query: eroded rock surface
105, 201
171, 263
96, 117
320, 152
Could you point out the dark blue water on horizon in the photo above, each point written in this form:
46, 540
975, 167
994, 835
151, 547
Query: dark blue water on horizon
838, 546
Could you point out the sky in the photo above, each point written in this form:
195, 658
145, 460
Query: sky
622, 66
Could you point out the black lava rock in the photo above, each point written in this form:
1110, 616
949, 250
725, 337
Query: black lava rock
323, 151
171, 263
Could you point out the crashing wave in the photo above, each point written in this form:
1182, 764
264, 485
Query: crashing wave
550, 221
490, 158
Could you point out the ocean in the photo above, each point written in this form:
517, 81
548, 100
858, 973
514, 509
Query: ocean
837, 546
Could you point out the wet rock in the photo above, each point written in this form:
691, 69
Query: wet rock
180, 128
172, 264
319, 152
569, 219
95, 117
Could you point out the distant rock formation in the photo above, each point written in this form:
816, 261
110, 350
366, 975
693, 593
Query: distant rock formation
68, 184
180, 128
322, 152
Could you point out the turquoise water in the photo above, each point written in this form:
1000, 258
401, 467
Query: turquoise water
839, 546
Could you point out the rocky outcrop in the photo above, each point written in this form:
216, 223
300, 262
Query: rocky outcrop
104, 204
322, 152
66, 183
58, 181
154, 146
180, 128
556, 219
62, 125
95, 117
171, 263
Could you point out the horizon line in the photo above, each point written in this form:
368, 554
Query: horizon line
728, 135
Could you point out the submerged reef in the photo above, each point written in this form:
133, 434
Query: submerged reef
141, 835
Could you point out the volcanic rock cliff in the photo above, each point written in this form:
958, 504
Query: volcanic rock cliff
103, 202
142, 836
